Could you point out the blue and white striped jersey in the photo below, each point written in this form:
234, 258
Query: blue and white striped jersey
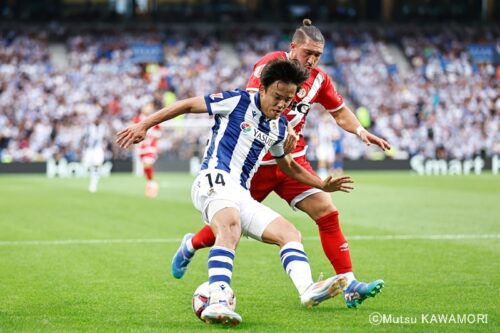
242, 135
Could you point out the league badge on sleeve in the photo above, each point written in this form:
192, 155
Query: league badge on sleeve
258, 71
216, 96
301, 93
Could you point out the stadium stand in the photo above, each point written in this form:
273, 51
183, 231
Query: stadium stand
443, 103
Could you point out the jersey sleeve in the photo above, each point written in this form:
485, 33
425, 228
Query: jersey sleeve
254, 81
278, 149
329, 98
222, 104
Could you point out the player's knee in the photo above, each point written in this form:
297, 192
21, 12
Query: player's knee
228, 234
317, 205
324, 211
294, 235
289, 234
227, 227
235, 233
280, 232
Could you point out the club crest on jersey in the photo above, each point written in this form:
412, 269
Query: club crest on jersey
301, 93
274, 125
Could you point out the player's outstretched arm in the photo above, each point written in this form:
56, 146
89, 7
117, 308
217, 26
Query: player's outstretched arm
137, 132
346, 119
297, 172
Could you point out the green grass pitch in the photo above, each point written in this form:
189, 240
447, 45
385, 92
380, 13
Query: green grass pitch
126, 286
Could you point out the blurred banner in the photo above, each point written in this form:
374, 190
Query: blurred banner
417, 164
146, 53
62, 168
483, 53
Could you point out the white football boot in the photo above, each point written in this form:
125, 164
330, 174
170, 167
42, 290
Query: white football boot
151, 189
323, 290
218, 311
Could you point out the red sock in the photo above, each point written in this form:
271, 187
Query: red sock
148, 171
334, 244
203, 238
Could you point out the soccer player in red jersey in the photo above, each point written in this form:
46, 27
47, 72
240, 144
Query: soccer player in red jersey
148, 151
306, 47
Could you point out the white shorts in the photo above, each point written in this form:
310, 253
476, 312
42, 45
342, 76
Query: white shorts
325, 153
93, 157
214, 190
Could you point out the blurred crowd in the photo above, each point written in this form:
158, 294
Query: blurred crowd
444, 105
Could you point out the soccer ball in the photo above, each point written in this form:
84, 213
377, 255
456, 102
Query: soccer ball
201, 299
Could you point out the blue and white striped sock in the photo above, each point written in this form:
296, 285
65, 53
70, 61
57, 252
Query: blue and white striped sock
296, 265
220, 268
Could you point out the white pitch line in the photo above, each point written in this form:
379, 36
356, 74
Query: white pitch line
419, 237
90, 241
177, 240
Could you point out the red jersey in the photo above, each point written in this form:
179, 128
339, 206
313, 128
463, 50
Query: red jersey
318, 88
149, 145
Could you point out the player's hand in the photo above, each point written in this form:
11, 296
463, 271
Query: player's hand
291, 140
331, 184
131, 135
369, 139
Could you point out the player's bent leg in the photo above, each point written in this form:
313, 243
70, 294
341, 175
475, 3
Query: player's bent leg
280, 232
317, 205
296, 264
203, 238
226, 225
225, 222
336, 248
320, 208
186, 251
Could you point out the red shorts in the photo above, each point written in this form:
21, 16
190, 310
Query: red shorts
149, 158
270, 178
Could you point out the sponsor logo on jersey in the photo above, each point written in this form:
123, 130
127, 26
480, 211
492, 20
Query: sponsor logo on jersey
302, 107
267, 139
246, 127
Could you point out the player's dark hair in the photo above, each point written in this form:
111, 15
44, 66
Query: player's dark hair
307, 31
287, 71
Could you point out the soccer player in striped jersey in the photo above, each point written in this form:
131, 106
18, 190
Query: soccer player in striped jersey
306, 47
95, 142
246, 127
